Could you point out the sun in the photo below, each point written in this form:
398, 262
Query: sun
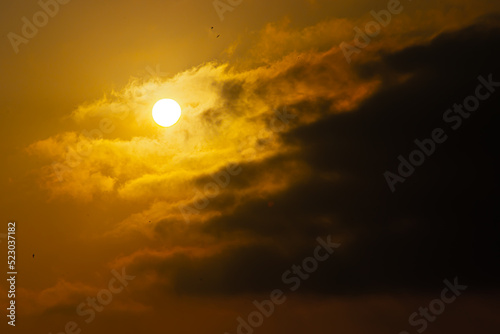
166, 112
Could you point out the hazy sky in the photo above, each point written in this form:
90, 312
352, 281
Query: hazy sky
284, 138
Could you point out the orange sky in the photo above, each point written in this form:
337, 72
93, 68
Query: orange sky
134, 195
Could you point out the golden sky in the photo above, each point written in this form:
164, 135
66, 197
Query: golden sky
281, 141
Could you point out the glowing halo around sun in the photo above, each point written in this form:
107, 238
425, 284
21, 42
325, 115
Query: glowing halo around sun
166, 112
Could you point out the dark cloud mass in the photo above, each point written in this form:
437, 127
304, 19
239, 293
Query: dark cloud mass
441, 222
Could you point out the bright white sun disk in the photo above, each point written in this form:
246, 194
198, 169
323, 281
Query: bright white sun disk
166, 112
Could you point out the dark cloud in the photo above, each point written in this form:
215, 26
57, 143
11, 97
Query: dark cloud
229, 272
232, 90
441, 223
